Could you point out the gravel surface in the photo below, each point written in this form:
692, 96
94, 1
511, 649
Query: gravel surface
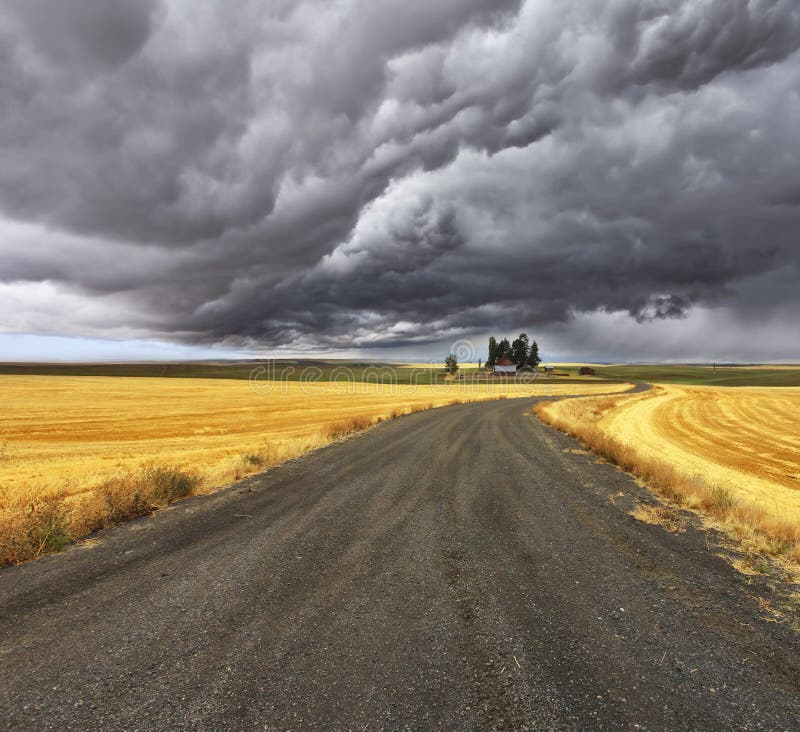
464, 568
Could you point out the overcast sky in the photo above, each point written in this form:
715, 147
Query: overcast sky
618, 178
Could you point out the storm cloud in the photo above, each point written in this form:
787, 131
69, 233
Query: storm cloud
372, 174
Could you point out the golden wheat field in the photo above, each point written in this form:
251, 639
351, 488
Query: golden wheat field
745, 438
78, 430
731, 452
86, 442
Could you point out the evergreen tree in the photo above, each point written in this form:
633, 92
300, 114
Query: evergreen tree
503, 349
533, 356
492, 351
519, 350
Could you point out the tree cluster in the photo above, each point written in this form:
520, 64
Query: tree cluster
521, 351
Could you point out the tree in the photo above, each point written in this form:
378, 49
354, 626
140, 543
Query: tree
503, 349
519, 350
451, 363
533, 356
490, 361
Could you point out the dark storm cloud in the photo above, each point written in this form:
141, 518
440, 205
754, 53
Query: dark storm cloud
85, 33
378, 172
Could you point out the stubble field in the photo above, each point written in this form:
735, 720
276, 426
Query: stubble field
80, 453
748, 439
733, 453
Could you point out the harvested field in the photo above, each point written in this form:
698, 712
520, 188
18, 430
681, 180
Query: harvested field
731, 453
747, 438
89, 442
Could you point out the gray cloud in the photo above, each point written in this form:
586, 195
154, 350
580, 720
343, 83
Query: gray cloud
375, 173
87, 34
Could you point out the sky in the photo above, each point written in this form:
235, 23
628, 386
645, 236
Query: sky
620, 179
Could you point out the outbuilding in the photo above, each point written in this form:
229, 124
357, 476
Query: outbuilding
505, 366
587, 371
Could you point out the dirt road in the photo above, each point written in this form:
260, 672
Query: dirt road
456, 568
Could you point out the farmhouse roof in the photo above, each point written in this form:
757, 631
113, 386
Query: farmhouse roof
505, 361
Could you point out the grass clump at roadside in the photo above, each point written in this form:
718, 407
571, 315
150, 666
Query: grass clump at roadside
345, 427
758, 529
36, 522
659, 516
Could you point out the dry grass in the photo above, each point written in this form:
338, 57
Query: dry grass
346, 427
659, 516
82, 453
665, 451
34, 522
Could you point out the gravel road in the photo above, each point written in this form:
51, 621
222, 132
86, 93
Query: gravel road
464, 568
